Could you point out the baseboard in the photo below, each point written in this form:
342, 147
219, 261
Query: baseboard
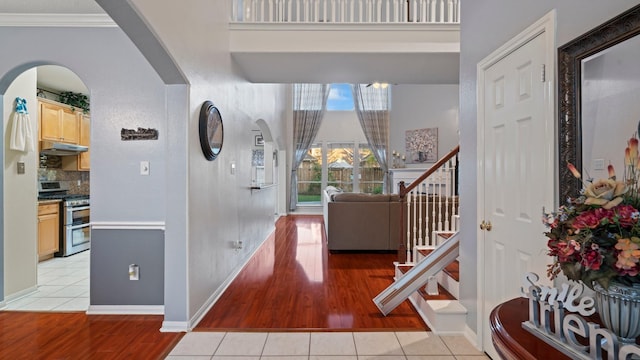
204, 309
20, 294
472, 337
2, 305
175, 326
125, 310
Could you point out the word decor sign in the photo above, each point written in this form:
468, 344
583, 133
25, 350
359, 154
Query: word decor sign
555, 316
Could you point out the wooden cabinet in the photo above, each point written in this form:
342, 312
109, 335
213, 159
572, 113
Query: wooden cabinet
80, 162
48, 230
58, 122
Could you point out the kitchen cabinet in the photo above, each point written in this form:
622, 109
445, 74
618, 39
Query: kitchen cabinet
80, 162
58, 122
48, 229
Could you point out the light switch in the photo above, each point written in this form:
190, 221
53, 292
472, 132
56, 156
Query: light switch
233, 168
20, 167
144, 168
598, 164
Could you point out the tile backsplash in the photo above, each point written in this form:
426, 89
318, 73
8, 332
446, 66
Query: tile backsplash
50, 170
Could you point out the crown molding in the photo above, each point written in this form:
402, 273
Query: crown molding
56, 20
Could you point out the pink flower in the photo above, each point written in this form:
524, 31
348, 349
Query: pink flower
591, 260
591, 219
627, 215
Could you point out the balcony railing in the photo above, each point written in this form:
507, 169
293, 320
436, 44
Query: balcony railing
346, 11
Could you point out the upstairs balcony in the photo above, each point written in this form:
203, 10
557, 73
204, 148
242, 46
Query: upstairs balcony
355, 41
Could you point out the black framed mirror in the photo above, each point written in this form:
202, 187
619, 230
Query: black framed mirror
211, 130
571, 58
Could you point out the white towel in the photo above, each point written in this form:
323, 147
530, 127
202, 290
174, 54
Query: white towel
21, 134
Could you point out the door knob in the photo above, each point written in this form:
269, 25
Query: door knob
485, 225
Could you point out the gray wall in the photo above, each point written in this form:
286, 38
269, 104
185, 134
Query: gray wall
485, 25
125, 92
110, 284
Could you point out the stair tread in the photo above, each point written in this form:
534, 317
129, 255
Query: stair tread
445, 234
443, 294
453, 270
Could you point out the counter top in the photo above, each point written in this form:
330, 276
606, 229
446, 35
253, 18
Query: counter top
48, 201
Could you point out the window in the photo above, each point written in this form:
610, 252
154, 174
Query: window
310, 176
371, 177
340, 98
332, 163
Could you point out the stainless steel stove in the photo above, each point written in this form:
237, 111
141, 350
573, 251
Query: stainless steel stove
75, 224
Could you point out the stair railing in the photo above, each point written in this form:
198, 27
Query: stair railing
430, 204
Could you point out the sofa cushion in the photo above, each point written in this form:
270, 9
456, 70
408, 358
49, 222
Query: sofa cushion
357, 197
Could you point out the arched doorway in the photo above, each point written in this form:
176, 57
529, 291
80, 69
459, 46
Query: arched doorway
33, 277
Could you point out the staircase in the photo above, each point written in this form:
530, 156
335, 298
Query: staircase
427, 272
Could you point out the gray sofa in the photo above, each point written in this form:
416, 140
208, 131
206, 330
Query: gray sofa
361, 221
372, 222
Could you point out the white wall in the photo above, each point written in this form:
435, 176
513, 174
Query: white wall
485, 25
424, 106
20, 194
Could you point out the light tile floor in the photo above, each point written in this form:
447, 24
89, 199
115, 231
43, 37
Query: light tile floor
63, 285
323, 346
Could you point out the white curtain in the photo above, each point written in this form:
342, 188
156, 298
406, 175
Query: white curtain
372, 107
309, 105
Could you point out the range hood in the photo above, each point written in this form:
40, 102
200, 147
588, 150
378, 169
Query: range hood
61, 149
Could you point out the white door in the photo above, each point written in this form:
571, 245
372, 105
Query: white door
518, 173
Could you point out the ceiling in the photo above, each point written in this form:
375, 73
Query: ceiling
57, 79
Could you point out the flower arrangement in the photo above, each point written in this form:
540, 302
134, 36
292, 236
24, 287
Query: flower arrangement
595, 237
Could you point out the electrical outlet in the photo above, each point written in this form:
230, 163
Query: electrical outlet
134, 272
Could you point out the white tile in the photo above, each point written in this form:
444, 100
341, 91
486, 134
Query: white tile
459, 345
472, 357
45, 290
192, 357
75, 304
43, 304
198, 343
69, 291
381, 357
215, 357
63, 280
287, 344
18, 303
338, 343
377, 343
279, 357
239, 343
422, 343
431, 357
329, 357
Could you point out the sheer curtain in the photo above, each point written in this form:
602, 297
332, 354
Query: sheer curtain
309, 105
372, 107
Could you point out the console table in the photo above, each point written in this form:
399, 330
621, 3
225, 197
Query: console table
511, 340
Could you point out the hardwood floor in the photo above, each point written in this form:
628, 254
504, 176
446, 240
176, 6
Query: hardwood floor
294, 283
29, 335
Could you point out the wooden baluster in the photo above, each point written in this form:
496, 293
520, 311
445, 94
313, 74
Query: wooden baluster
442, 3
439, 172
415, 223
434, 197
423, 11
449, 11
290, 10
325, 18
379, 11
427, 201
414, 11
316, 11
387, 9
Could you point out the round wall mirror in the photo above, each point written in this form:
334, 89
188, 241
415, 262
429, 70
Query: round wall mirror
211, 130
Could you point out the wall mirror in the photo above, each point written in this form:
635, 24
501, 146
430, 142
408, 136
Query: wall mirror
599, 93
210, 130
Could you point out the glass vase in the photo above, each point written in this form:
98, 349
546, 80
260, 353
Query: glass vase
619, 310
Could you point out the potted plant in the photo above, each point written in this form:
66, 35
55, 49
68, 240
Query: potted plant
75, 100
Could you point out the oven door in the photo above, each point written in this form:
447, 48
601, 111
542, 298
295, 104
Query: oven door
78, 235
76, 215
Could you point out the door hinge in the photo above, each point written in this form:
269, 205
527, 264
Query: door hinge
543, 74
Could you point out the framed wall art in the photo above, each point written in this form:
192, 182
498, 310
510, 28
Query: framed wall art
421, 146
